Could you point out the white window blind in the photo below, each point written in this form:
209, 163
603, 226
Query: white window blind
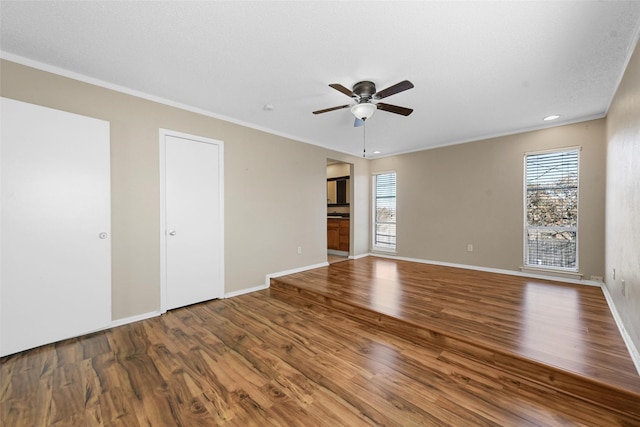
385, 211
551, 209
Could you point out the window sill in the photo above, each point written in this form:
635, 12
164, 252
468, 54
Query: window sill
386, 251
552, 272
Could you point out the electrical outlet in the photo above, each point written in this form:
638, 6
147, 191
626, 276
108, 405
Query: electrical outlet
596, 278
623, 286
469, 247
299, 249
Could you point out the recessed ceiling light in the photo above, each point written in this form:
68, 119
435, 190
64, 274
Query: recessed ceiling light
267, 107
553, 117
376, 152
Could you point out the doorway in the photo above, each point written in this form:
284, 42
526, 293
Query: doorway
191, 226
339, 209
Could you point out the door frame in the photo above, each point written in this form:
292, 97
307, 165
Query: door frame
163, 133
352, 192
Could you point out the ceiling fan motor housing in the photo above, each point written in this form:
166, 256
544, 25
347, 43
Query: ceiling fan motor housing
365, 89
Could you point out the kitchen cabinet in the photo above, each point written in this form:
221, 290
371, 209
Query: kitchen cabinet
338, 234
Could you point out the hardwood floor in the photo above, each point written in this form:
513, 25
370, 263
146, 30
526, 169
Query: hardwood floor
257, 360
560, 336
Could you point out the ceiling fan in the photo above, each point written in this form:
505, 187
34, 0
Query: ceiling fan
364, 93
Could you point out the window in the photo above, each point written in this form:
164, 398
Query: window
551, 209
384, 189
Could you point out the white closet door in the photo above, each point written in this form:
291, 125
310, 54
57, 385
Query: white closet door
194, 240
55, 258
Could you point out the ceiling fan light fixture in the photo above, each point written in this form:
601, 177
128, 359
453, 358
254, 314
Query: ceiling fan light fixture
363, 110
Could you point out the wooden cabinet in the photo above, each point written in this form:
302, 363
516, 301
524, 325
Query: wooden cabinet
338, 234
333, 233
344, 235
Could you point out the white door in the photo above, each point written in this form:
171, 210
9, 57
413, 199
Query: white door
193, 232
55, 258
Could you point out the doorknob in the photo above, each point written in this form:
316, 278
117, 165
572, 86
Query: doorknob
172, 233
102, 235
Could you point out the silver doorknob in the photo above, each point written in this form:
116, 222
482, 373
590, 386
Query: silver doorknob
103, 235
172, 233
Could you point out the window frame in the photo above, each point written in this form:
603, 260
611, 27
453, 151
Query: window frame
374, 217
526, 226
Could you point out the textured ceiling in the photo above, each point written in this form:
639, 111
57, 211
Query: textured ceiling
480, 69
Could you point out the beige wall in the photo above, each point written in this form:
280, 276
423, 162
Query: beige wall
275, 188
623, 199
472, 194
336, 170
275, 192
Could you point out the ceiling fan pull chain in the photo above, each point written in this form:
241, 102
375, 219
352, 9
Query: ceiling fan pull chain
364, 138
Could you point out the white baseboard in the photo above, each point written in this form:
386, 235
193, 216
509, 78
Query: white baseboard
269, 276
136, 318
359, 256
292, 271
633, 350
494, 270
245, 291
337, 253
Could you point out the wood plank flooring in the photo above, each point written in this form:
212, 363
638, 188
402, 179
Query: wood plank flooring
255, 360
557, 335
278, 357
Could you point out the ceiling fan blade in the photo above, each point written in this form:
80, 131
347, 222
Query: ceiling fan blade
331, 109
396, 88
358, 123
394, 109
340, 88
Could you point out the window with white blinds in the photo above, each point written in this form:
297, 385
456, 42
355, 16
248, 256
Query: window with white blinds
551, 209
384, 232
